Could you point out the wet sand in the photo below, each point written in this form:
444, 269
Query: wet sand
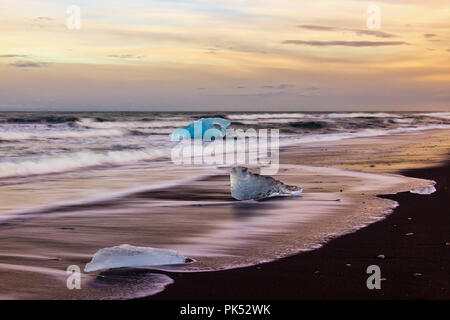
411, 246
201, 221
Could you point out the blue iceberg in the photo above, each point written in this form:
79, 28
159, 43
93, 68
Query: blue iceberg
204, 128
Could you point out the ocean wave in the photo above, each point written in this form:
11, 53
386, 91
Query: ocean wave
74, 161
46, 119
404, 120
91, 123
361, 115
255, 119
266, 121
149, 131
309, 125
256, 116
24, 135
327, 137
290, 116
440, 115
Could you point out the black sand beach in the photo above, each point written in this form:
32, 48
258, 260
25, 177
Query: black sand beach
189, 210
414, 241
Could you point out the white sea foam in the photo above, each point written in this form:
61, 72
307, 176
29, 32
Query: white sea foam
359, 134
440, 115
255, 116
29, 135
148, 285
73, 161
160, 131
126, 255
91, 123
404, 120
361, 115
290, 116
269, 120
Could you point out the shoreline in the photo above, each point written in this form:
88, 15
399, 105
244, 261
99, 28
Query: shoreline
280, 227
413, 240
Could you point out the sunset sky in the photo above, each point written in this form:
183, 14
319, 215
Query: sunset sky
225, 55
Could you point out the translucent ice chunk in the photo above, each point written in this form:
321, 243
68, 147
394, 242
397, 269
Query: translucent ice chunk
424, 190
196, 130
246, 186
126, 255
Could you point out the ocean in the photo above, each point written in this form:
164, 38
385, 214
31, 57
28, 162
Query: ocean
72, 183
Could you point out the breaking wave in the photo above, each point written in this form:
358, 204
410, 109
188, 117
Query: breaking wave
74, 161
440, 115
91, 123
272, 116
255, 116
310, 125
47, 119
361, 115
358, 134
23, 135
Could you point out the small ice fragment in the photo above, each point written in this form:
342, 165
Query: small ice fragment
424, 190
250, 186
215, 127
126, 255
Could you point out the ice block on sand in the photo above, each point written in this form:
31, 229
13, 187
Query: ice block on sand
126, 255
250, 186
424, 190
